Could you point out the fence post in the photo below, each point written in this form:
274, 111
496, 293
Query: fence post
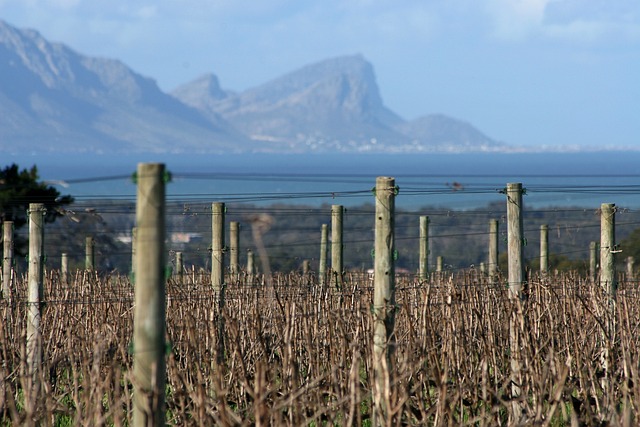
515, 243
7, 258
34, 302
217, 247
593, 261
493, 249
439, 263
423, 268
608, 248
337, 265
149, 311
322, 266
89, 255
134, 233
179, 266
544, 249
384, 304
250, 263
64, 268
234, 246
630, 262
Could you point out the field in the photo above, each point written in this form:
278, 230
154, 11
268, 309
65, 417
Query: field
291, 352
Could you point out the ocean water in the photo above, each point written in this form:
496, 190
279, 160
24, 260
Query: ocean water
457, 181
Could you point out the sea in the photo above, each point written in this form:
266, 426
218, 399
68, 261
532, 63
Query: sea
456, 181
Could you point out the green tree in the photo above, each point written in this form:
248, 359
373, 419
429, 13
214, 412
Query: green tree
18, 188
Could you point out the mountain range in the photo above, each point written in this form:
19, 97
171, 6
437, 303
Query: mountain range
53, 99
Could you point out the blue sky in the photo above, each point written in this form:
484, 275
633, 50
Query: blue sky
527, 72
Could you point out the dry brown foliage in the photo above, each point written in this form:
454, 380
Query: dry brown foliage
295, 354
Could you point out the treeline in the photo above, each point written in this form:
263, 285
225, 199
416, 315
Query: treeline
461, 237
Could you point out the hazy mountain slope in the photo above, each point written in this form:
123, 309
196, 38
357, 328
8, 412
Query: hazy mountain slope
52, 98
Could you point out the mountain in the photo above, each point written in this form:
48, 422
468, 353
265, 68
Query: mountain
54, 99
330, 105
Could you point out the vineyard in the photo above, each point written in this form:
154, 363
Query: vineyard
259, 344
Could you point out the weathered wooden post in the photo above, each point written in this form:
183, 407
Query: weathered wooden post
134, 233
423, 267
544, 249
89, 255
149, 346
322, 266
305, 268
593, 261
234, 246
515, 243
515, 239
250, 263
7, 258
439, 263
179, 267
336, 244
64, 268
608, 248
493, 249
217, 247
384, 304
34, 302
630, 273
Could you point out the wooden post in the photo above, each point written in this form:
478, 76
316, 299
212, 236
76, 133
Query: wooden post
544, 249
423, 264
515, 239
305, 267
630, 262
217, 247
608, 248
7, 258
593, 261
89, 255
336, 244
250, 263
179, 266
149, 347
234, 246
493, 249
134, 233
64, 268
384, 304
439, 263
34, 302
515, 243
322, 266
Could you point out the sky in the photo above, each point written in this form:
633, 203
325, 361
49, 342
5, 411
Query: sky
525, 72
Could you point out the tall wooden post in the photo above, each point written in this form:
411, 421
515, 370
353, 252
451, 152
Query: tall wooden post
493, 249
322, 266
593, 261
89, 255
423, 264
515, 238
217, 247
608, 248
134, 233
544, 249
630, 263
34, 301
336, 244
384, 304
515, 243
149, 311
179, 267
234, 246
7, 258
64, 268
